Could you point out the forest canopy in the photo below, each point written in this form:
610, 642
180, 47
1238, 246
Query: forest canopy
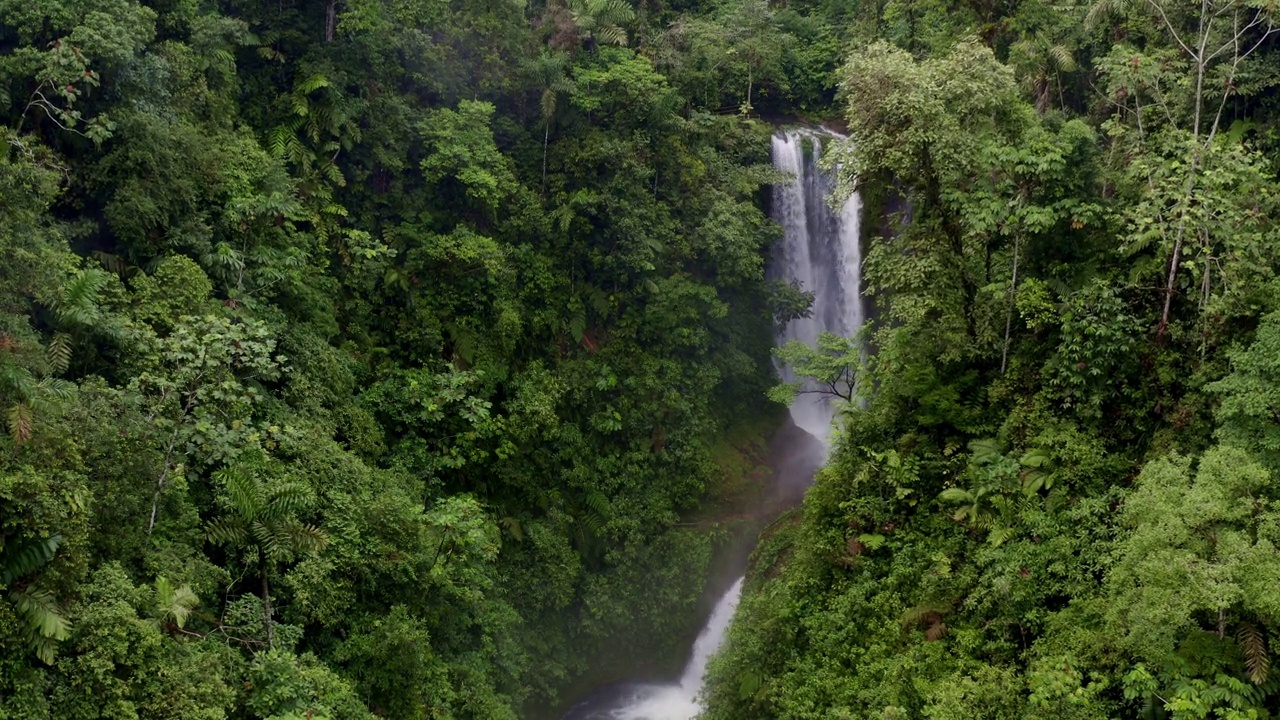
1056, 497
362, 358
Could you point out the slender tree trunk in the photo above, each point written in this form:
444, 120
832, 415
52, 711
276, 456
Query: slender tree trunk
266, 599
546, 138
1176, 260
160, 483
330, 20
1008, 318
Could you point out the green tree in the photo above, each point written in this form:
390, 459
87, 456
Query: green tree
262, 518
601, 20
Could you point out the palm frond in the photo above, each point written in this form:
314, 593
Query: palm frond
956, 495
611, 35
1102, 9
284, 500
985, 451
244, 490
78, 302
59, 353
45, 623
1062, 58
21, 421
54, 391
265, 537
173, 603
1257, 659
19, 560
599, 504
305, 538
226, 531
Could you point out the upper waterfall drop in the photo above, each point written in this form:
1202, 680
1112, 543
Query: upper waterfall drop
820, 252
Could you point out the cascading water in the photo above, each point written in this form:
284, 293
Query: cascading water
820, 253
667, 702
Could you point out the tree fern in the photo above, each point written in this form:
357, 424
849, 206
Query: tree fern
262, 520
601, 20
77, 304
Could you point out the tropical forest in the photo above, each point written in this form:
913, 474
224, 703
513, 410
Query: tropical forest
639, 359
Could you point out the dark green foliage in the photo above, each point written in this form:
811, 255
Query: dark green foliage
362, 358
1055, 498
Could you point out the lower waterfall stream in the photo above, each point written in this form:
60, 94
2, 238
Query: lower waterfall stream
820, 252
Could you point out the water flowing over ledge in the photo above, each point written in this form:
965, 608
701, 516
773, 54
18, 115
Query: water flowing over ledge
819, 252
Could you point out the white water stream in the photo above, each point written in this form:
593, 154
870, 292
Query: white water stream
820, 253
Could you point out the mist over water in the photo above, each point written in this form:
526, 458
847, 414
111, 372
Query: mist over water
672, 701
819, 251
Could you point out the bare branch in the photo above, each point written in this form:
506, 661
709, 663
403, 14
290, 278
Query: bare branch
1169, 26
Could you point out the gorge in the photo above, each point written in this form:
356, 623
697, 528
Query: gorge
819, 252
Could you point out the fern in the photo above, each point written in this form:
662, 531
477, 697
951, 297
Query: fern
78, 302
985, 452
113, 263
513, 527
599, 504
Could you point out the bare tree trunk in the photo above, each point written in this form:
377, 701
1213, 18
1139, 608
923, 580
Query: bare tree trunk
330, 20
266, 599
160, 483
1008, 318
1176, 260
546, 138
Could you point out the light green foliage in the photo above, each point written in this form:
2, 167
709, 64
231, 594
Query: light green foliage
1202, 546
177, 288
460, 149
833, 366
1247, 416
284, 685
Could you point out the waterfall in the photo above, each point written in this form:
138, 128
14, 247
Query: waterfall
678, 701
820, 253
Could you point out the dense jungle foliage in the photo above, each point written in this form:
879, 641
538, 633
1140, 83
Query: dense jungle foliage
382, 358
1059, 496
364, 358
